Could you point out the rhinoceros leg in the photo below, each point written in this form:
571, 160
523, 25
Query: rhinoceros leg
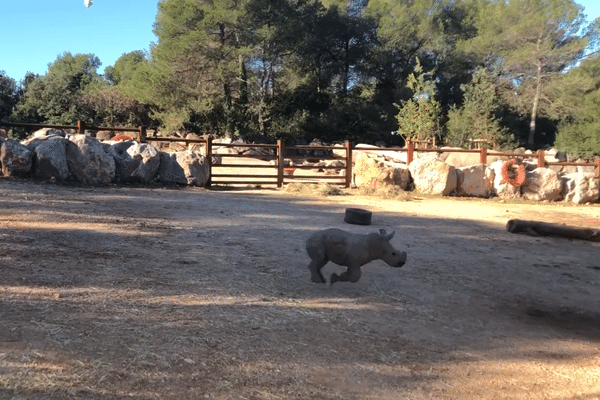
351, 275
315, 270
316, 252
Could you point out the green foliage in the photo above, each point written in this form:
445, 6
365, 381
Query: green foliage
580, 136
8, 95
55, 97
111, 106
196, 65
307, 115
418, 117
475, 120
580, 139
529, 43
125, 67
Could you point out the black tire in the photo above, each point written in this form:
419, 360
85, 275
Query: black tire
358, 216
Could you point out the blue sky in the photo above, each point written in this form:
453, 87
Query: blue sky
33, 33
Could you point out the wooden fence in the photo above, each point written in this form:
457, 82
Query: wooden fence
279, 152
283, 174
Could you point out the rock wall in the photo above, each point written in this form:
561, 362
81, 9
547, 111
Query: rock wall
52, 154
431, 174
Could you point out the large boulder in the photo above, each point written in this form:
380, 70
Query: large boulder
377, 151
88, 162
542, 184
460, 160
263, 153
317, 154
177, 146
41, 136
183, 168
47, 132
195, 167
15, 158
501, 188
170, 172
105, 135
200, 147
334, 163
370, 170
580, 187
475, 181
118, 150
135, 162
51, 159
223, 149
145, 162
432, 176
587, 168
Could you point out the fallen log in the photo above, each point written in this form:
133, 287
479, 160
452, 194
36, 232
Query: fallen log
536, 228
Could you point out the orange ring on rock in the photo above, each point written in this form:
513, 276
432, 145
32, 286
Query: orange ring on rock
519, 179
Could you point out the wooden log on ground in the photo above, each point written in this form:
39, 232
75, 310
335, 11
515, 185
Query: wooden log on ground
536, 228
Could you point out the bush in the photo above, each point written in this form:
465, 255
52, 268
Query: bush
579, 140
475, 120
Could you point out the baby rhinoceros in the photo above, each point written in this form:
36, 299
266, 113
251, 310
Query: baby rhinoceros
350, 250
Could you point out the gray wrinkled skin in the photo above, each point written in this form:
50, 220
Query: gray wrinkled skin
350, 250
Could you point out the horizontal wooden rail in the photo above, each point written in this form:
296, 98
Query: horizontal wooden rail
257, 145
169, 139
326, 177
244, 166
244, 155
296, 157
316, 167
569, 164
245, 182
307, 147
243, 176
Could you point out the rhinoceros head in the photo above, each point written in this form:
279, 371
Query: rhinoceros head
390, 255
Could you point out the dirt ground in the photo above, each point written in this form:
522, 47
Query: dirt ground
155, 293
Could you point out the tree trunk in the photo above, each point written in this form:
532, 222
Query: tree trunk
536, 105
535, 228
226, 93
346, 77
244, 98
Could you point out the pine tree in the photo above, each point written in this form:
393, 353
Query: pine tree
475, 120
418, 117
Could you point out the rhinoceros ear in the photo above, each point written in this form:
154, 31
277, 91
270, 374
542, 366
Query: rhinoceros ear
385, 236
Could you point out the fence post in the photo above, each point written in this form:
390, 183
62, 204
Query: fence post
80, 127
410, 150
208, 153
142, 134
279, 163
541, 161
483, 155
348, 164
